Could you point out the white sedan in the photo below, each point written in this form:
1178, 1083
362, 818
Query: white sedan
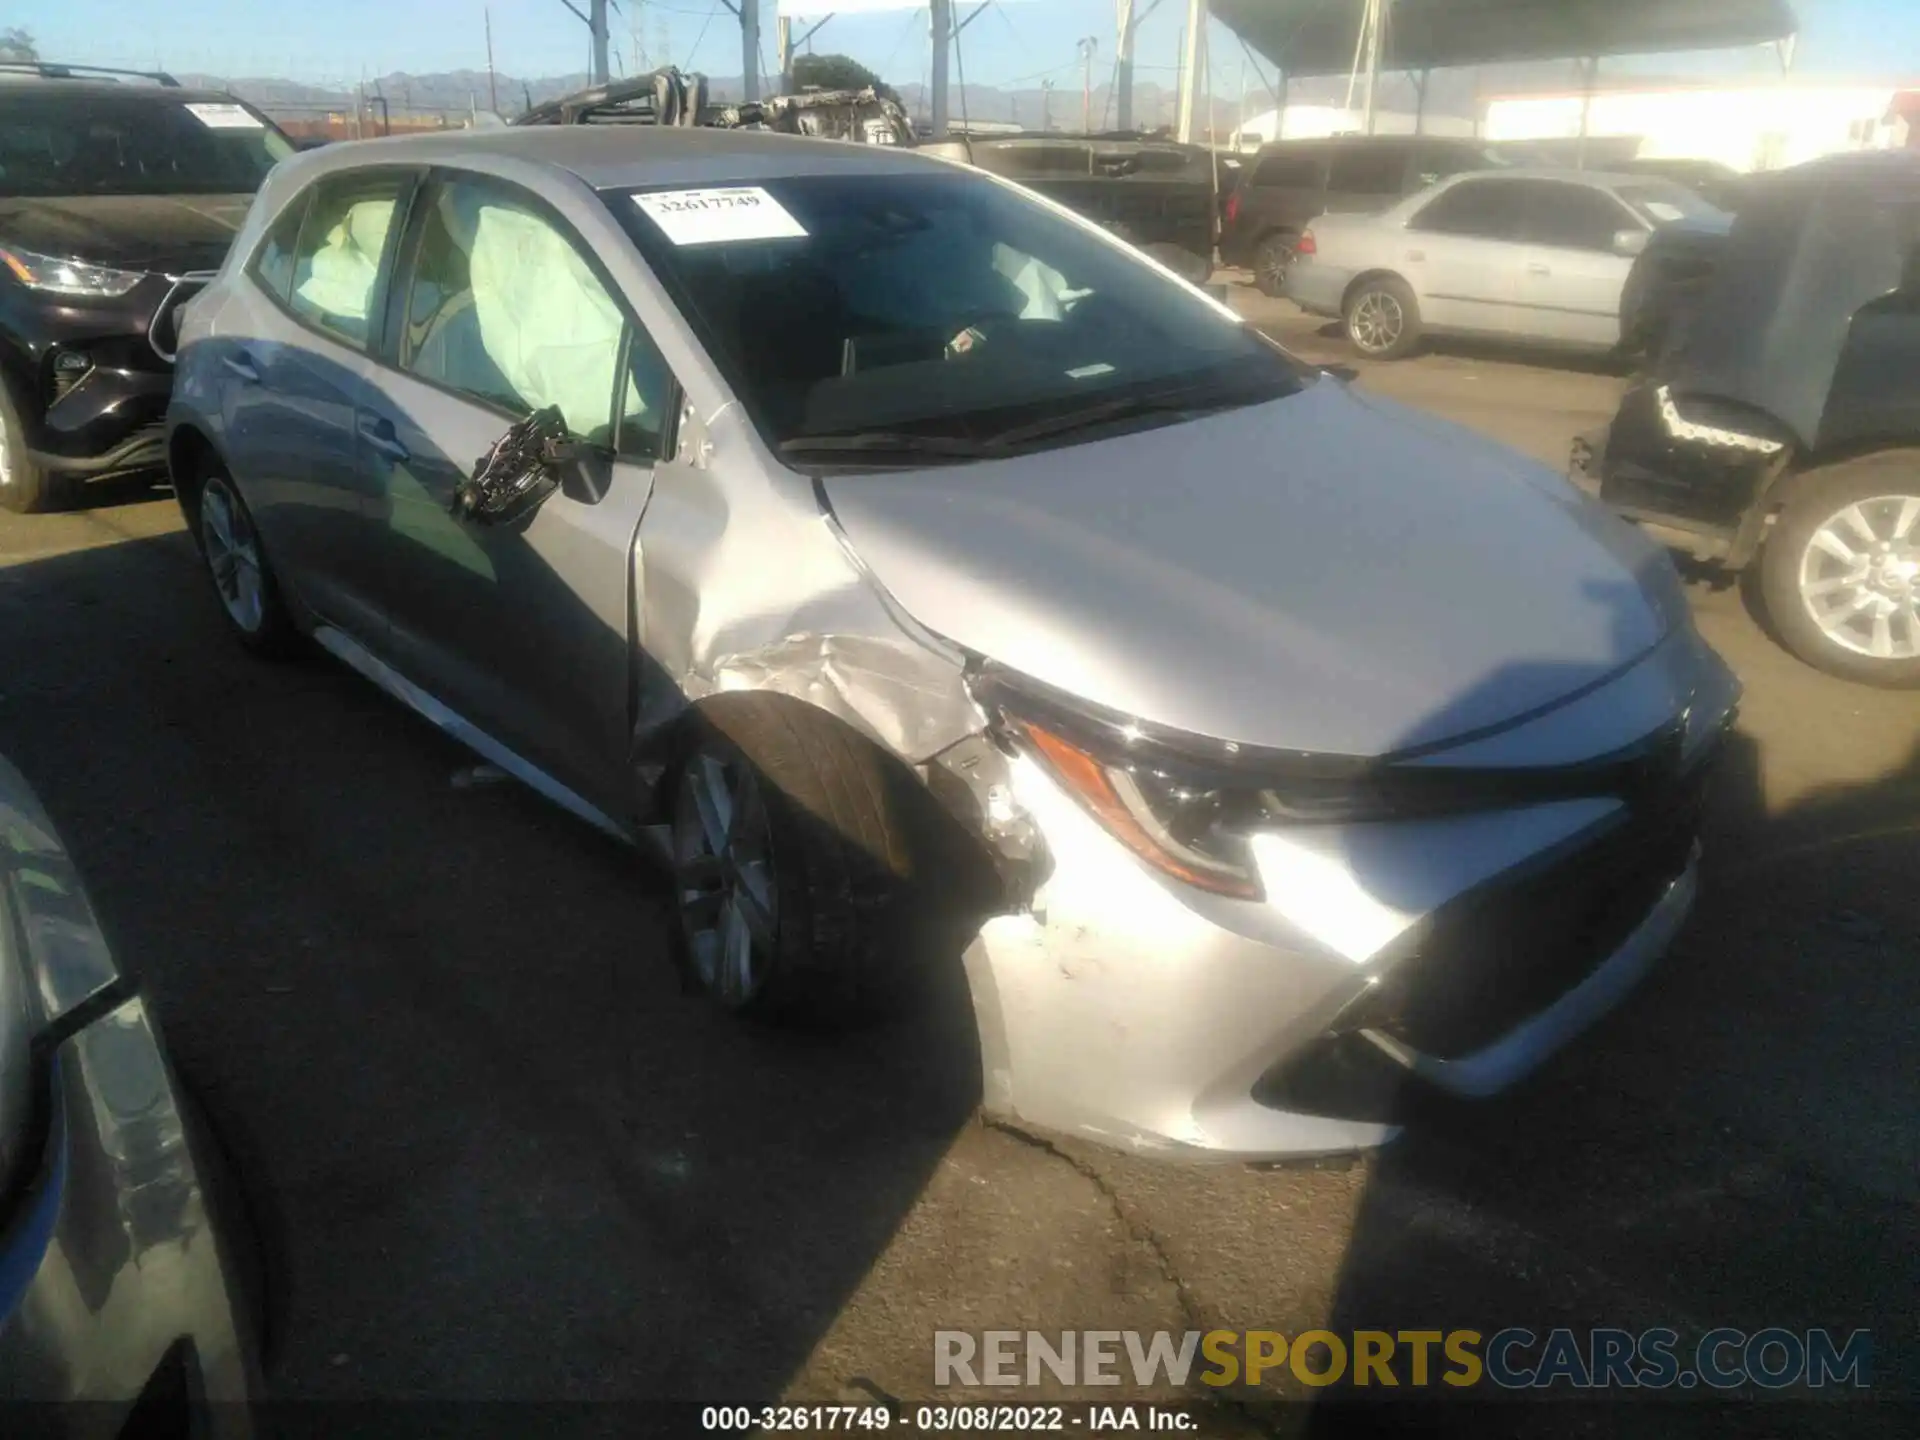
1538, 256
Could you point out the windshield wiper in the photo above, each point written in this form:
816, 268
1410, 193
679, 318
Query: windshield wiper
889, 442
1188, 400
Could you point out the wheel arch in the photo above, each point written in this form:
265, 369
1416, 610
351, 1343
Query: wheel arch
1378, 272
188, 449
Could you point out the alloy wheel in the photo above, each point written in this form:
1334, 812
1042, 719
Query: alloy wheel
1860, 577
1377, 321
723, 869
233, 555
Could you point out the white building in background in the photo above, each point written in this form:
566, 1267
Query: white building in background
1750, 127
1316, 122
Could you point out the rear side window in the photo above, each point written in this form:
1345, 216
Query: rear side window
337, 262
1368, 170
1292, 172
1483, 209
1572, 217
273, 262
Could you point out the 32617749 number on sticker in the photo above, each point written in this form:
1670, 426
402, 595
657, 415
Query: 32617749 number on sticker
711, 217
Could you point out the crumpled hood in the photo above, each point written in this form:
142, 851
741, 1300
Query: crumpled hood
134, 232
1327, 572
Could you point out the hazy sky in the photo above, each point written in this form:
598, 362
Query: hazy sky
1016, 41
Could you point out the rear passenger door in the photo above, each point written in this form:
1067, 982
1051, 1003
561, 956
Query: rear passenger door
1283, 191
1465, 251
1571, 281
500, 309
293, 366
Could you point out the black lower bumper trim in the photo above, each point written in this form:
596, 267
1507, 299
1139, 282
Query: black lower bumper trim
143, 449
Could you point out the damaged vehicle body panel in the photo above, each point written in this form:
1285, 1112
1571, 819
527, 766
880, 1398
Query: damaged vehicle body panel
1782, 361
684, 497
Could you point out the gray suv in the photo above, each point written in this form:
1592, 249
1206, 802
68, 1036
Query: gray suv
1292, 182
932, 580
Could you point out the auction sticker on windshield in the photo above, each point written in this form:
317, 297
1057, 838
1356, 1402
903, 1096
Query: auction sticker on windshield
709, 217
225, 117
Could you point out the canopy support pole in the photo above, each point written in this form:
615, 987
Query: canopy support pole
940, 18
1194, 65
1420, 101
1589, 78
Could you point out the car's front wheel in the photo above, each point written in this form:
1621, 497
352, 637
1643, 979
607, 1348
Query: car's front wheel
237, 564
792, 868
1383, 318
26, 488
1841, 570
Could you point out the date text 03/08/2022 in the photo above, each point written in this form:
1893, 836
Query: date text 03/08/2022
949, 1419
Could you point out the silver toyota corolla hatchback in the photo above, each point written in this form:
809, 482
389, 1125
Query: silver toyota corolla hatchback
907, 558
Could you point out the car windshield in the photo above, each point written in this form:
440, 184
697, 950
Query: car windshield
937, 306
55, 143
1666, 202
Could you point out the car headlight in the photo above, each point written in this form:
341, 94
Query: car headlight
1188, 805
59, 276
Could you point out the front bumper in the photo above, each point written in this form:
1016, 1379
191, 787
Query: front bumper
1158, 1019
114, 1286
112, 421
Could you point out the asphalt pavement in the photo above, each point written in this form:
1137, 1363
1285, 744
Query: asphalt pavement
496, 1154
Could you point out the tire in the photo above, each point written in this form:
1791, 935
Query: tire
807, 911
1271, 259
1382, 318
236, 563
26, 488
1883, 490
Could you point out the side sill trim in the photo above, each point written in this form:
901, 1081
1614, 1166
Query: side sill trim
355, 656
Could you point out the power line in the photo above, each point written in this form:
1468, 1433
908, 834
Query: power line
688, 65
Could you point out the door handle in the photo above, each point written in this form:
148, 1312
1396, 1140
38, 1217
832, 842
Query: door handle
241, 366
377, 431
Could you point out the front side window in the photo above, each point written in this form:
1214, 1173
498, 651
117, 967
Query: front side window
56, 142
1481, 209
337, 264
1667, 202
814, 295
503, 307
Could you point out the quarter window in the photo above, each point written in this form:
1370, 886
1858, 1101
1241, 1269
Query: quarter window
1368, 170
1291, 172
273, 263
337, 262
503, 307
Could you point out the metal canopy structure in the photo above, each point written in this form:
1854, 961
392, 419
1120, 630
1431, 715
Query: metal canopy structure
1322, 37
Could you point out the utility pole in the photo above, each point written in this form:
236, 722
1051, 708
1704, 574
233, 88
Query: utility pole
1124, 26
1193, 65
783, 52
1046, 106
940, 24
750, 49
1087, 46
597, 23
493, 85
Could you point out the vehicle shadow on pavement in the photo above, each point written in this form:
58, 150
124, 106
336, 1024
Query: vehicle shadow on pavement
1735, 1146
505, 1156
1508, 352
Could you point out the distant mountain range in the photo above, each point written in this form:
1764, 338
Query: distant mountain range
454, 93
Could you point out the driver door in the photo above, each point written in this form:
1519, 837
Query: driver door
521, 627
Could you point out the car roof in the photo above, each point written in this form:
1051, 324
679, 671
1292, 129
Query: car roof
40, 86
1566, 174
1302, 142
612, 157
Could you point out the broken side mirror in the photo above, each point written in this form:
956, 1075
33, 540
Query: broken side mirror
1629, 242
519, 472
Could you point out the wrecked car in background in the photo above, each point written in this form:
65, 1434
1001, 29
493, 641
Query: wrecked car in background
1777, 422
1267, 750
1152, 192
